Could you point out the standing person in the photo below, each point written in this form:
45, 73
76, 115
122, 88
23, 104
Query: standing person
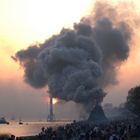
114, 137
12, 137
42, 135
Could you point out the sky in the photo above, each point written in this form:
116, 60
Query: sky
24, 22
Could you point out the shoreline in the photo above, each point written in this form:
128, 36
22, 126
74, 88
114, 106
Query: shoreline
32, 128
84, 129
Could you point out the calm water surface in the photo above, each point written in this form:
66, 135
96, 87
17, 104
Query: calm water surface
28, 128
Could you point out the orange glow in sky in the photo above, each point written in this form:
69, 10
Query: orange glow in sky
23, 22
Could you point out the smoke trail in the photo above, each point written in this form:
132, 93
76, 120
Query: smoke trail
77, 63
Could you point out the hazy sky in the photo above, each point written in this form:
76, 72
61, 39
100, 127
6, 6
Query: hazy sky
23, 22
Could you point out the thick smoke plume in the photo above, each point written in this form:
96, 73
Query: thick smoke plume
78, 63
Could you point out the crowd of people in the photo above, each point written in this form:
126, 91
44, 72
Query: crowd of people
115, 130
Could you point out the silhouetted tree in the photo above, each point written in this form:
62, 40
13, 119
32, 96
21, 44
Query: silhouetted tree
133, 100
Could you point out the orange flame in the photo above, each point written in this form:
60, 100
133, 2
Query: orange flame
55, 101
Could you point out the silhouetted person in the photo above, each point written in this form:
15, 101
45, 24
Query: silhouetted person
12, 137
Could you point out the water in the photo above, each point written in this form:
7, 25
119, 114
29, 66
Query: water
28, 128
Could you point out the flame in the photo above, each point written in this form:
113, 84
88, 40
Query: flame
55, 101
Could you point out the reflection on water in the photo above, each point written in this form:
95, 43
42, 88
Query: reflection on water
27, 129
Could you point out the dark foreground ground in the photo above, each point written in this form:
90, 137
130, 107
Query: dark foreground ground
120, 130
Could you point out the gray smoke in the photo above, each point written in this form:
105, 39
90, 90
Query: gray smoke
77, 63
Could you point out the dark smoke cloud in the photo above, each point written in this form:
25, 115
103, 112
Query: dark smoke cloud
112, 29
77, 63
